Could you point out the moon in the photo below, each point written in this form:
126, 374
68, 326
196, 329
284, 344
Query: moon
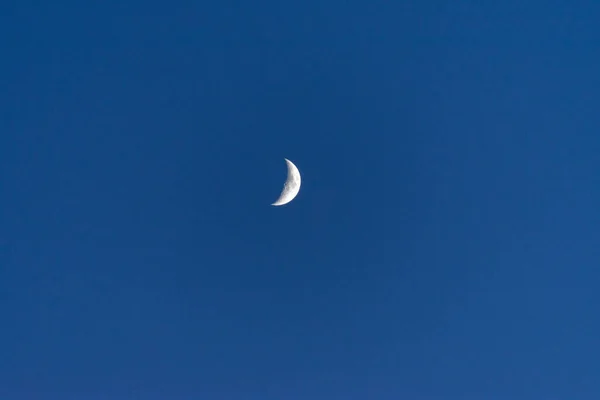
291, 186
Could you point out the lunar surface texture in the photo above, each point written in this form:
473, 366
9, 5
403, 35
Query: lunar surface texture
291, 186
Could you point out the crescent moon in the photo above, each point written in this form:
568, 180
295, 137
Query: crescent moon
291, 186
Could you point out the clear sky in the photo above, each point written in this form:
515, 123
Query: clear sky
445, 243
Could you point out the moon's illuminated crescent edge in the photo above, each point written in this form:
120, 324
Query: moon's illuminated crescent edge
291, 186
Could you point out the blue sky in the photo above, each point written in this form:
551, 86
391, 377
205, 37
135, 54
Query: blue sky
444, 243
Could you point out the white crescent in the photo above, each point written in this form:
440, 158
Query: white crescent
291, 186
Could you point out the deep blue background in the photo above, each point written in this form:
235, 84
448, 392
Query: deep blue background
445, 243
